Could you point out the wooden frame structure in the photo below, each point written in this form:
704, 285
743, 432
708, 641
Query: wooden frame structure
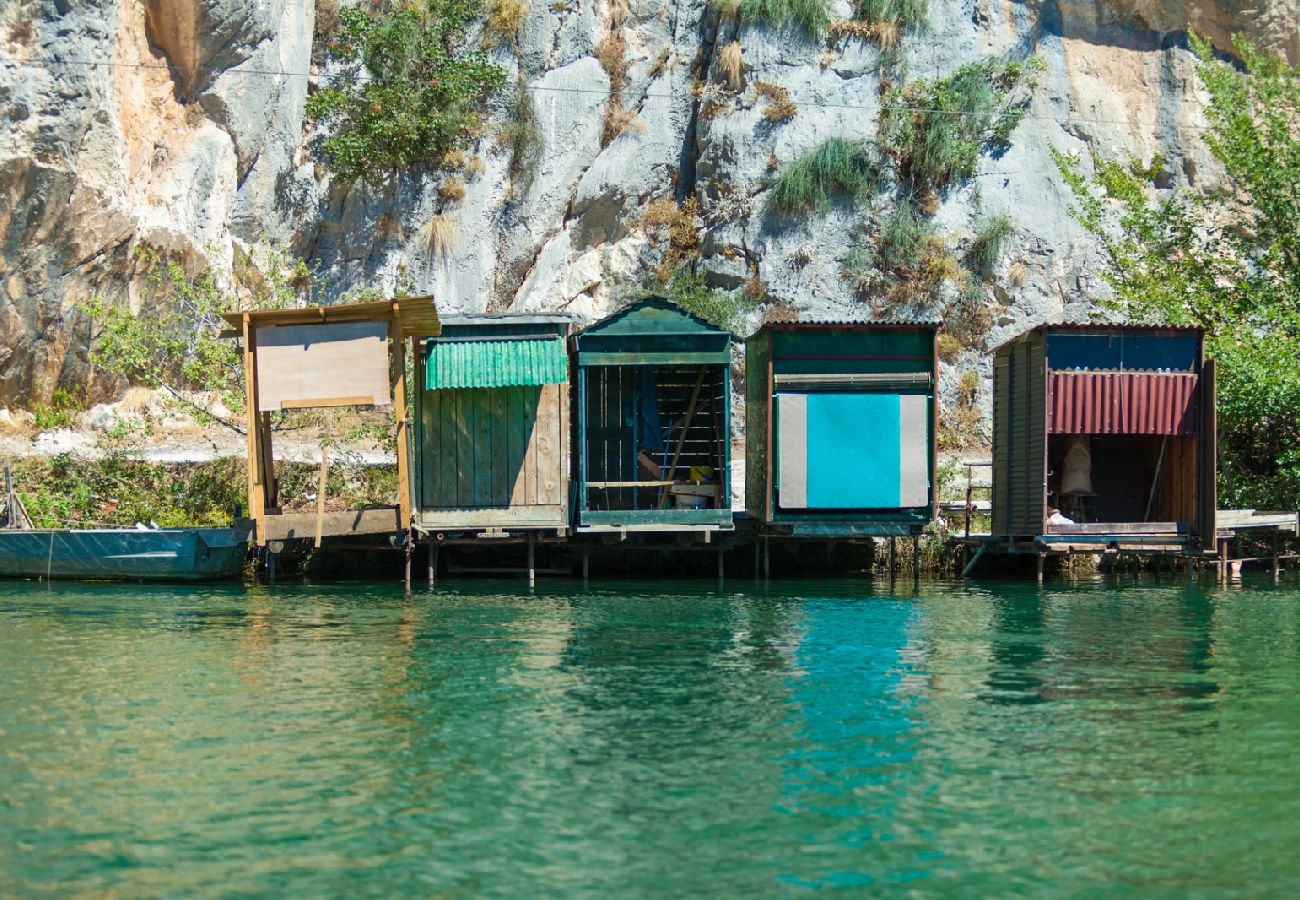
1140, 403
653, 407
492, 425
326, 356
821, 399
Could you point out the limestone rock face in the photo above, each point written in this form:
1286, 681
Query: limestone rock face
178, 125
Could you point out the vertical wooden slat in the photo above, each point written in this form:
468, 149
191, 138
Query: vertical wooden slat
448, 428
482, 447
430, 446
563, 471
583, 425
517, 443
256, 506
548, 446
529, 467
501, 476
464, 448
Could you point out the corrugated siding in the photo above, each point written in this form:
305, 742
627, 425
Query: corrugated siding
1122, 403
453, 365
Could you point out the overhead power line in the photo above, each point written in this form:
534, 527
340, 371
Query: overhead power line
814, 104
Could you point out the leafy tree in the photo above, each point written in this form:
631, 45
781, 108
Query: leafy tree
174, 344
407, 87
1227, 260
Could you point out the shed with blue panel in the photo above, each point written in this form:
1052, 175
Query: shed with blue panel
492, 425
653, 407
840, 428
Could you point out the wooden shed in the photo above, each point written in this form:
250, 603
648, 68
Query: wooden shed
840, 428
351, 354
1104, 433
653, 441
492, 424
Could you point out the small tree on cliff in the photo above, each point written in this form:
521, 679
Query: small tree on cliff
406, 87
1227, 260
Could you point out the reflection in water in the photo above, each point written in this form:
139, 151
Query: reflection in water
649, 740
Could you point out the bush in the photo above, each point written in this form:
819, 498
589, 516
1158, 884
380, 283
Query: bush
842, 165
982, 255
521, 135
60, 412
723, 308
934, 131
907, 15
407, 89
812, 16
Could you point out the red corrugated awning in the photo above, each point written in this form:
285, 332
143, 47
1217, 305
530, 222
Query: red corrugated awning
1121, 403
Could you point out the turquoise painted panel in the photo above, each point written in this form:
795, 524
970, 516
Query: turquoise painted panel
853, 451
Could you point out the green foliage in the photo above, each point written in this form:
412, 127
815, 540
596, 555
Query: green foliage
908, 15
522, 136
174, 342
688, 290
840, 165
934, 131
1227, 260
812, 16
984, 250
901, 239
407, 88
60, 412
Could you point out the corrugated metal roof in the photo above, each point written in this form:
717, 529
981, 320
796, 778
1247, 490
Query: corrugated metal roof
495, 363
1101, 327
1121, 403
903, 317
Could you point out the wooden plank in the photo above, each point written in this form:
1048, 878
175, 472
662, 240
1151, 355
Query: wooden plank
320, 491
256, 502
302, 526
482, 447
445, 465
464, 448
529, 465
1119, 528
548, 445
304, 365
328, 402
566, 444
430, 446
511, 517
518, 434
398, 344
501, 475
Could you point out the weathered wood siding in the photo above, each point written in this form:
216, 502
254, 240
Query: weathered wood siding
1019, 439
494, 457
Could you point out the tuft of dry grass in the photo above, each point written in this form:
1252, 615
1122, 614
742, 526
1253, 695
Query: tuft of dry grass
754, 289
1018, 274
505, 19
780, 312
884, 34
937, 264
453, 159
674, 227
731, 62
950, 346
928, 201
660, 64
611, 53
618, 13
440, 235
475, 167
728, 10
617, 121
779, 108
451, 191
827, 59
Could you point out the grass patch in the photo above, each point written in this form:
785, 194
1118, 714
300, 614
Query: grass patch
935, 131
950, 347
440, 235
904, 15
810, 16
674, 228
60, 412
505, 19
731, 62
982, 255
723, 308
779, 107
522, 136
837, 165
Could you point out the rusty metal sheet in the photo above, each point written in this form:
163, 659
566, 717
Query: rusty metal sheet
1121, 403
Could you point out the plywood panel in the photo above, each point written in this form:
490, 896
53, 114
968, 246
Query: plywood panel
302, 365
547, 429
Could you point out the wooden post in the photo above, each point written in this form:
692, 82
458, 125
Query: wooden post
916, 560
433, 562
893, 554
252, 424
720, 565
767, 559
320, 492
1223, 561
757, 561
1042, 561
1277, 563
408, 551
9, 497
586, 565
532, 564
399, 413
272, 558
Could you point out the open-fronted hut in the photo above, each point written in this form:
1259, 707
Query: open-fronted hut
492, 425
653, 422
1104, 434
840, 428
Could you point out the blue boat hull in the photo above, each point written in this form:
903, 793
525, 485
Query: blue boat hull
164, 554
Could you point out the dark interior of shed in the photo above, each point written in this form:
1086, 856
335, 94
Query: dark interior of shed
1134, 479
655, 436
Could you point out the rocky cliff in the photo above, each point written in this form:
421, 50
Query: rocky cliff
178, 124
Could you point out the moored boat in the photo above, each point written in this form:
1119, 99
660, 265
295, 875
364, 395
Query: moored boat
124, 554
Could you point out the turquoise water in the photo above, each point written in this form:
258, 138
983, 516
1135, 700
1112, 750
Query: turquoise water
667, 740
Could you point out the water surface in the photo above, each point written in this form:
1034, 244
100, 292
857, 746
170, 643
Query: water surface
650, 740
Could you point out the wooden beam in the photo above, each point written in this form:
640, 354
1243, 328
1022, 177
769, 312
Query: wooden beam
302, 526
320, 491
366, 400
256, 497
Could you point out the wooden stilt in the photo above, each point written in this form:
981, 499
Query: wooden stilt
407, 552
532, 561
272, 560
1277, 562
586, 565
433, 563
916, 560
1042, 562
1223, 562
892, 555
757, 561
721, 564
767, 559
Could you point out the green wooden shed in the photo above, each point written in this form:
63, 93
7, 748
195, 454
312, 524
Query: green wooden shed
1104, 435
653, 440
492, 425
840, 428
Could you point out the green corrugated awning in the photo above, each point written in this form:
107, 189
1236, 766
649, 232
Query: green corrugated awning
495, 363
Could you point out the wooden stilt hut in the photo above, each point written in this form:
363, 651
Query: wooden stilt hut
326, 356
653, 411
1104, 437
840, 428
492, 425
